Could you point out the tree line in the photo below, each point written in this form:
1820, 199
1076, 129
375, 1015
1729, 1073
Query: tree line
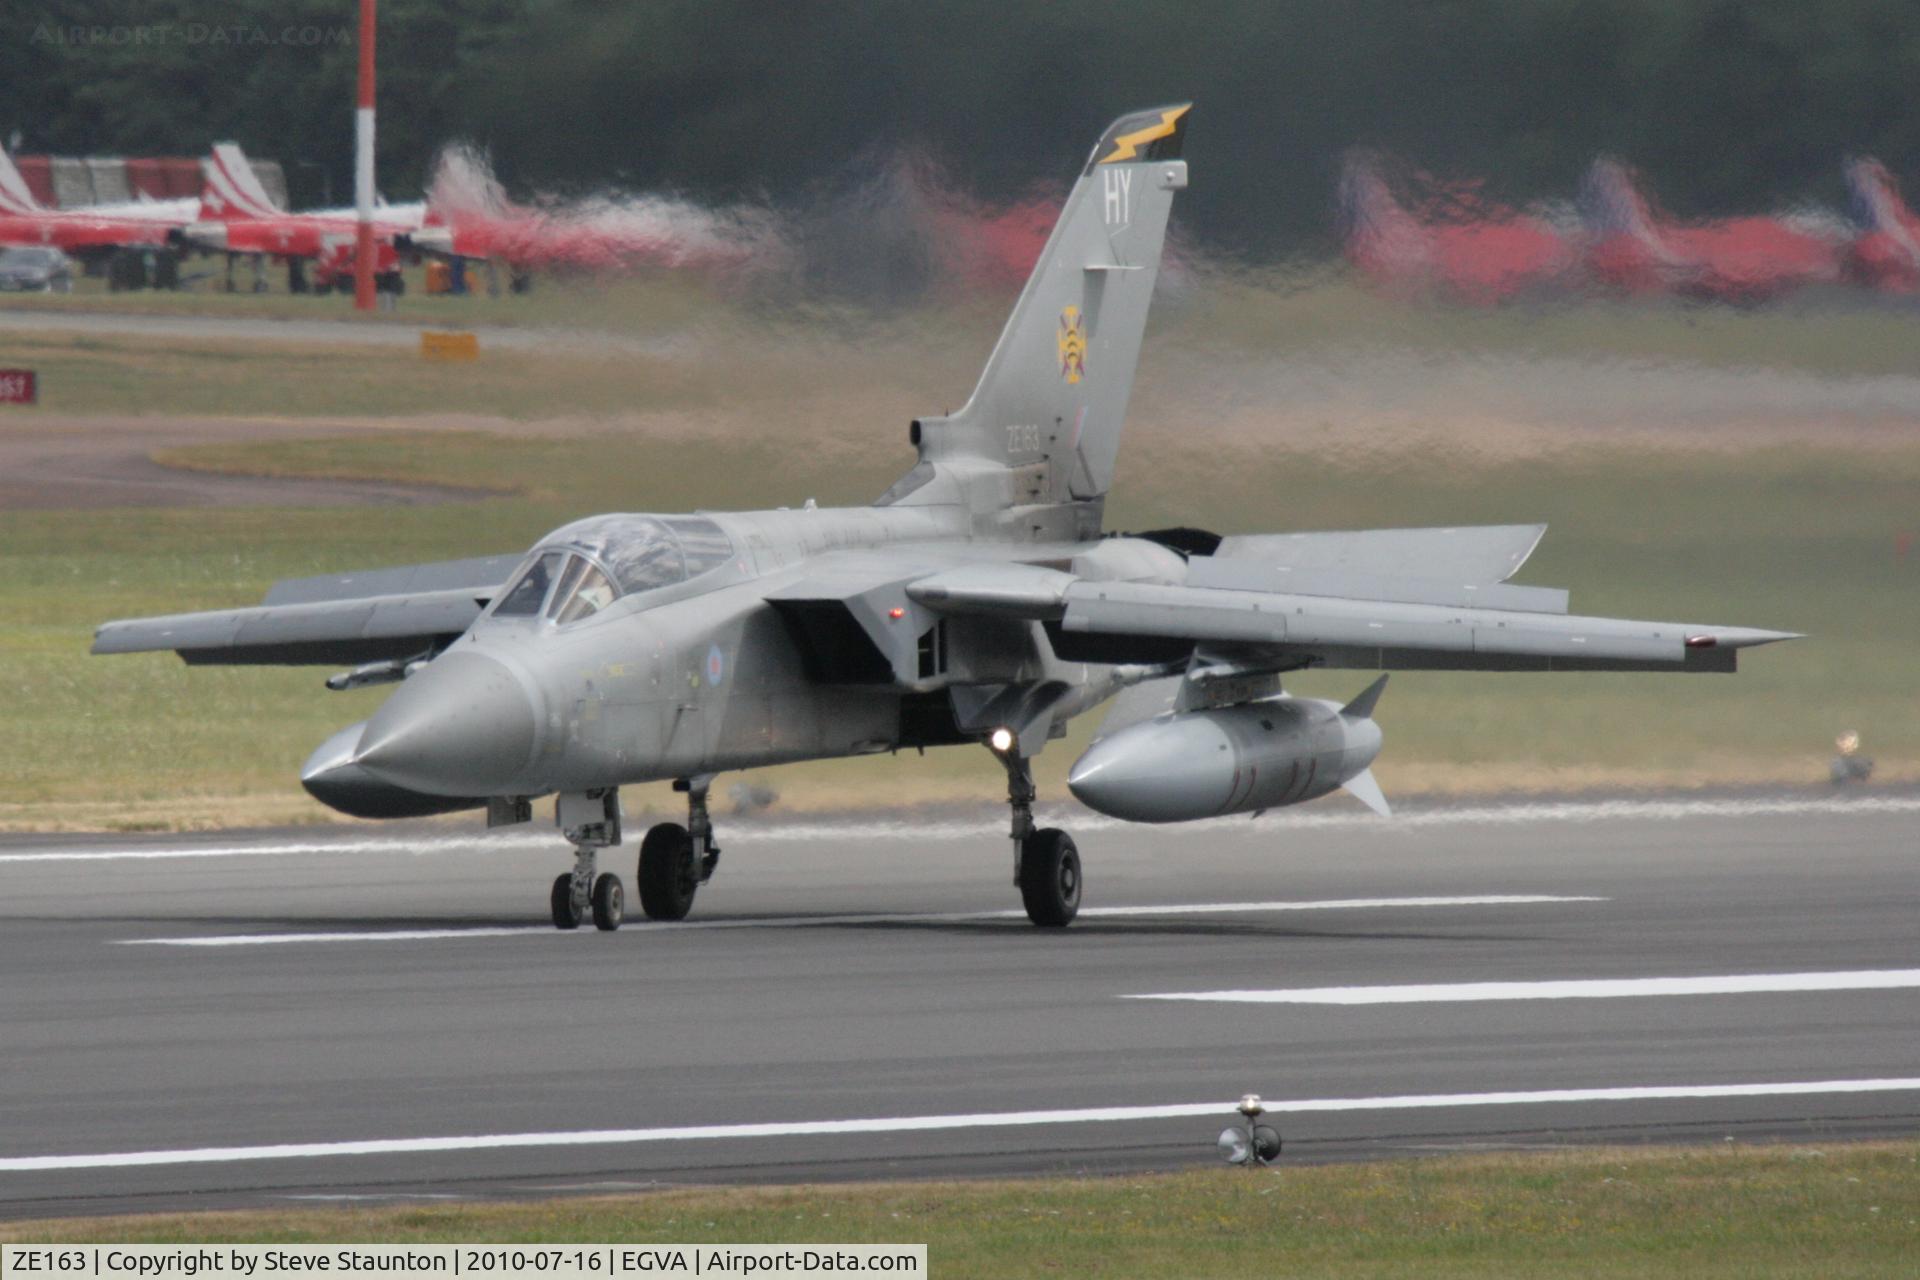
1725, 105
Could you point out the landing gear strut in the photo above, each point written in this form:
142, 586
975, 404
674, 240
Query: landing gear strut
591, 822
1046, 863
675, 860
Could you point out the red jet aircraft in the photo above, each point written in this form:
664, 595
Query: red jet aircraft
1886, 253
237, 216
24, 220
1635, 249
1477, 252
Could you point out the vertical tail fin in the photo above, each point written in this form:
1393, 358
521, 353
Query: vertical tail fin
15, 196
1383, 238
1054, 393
233, 191
1611, 203
1877, 202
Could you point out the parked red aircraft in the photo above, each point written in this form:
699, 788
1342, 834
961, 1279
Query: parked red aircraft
1464, 247
237, 216
469, 216
1635, 249
24, 220
1886, 252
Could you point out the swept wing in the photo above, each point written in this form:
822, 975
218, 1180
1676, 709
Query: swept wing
379, 615
1418, 599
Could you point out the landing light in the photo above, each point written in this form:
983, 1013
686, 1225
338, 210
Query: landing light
1001, 740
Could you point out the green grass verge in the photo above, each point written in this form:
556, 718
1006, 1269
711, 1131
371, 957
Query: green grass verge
1823, 331
1844, 1210
642, 304
1834, 332
117, 375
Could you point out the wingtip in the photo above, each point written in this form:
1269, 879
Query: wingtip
1738, 637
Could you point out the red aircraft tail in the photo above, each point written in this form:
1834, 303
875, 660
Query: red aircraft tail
233, 192
1886, 253
1383, 238
16, 197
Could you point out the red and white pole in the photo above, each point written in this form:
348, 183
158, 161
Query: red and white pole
363, 299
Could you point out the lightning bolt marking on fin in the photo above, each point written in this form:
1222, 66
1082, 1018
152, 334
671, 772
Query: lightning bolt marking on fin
1127, 145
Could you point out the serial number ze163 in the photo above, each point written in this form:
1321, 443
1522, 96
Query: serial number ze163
51, 1260
1023, 439
514, 1260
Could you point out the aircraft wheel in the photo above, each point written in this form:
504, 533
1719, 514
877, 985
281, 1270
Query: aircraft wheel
565, 914
609, 903
1050, 878
668, 877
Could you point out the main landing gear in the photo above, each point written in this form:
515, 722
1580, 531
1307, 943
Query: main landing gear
1046, 863
591, 822
675, 860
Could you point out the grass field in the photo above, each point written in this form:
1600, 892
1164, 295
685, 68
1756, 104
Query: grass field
1796, 526
1844, 1210
1257, 311
642, 304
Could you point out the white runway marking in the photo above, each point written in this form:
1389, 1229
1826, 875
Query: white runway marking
805, 922
987, 826
1575, 989
925, 1124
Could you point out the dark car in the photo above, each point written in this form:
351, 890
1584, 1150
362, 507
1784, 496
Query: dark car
36, 269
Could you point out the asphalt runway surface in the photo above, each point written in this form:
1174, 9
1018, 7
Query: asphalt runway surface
337, 1016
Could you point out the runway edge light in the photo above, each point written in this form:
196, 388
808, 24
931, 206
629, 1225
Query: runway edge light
1255, 1143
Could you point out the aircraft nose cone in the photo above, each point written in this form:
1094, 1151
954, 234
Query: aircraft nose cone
462, 726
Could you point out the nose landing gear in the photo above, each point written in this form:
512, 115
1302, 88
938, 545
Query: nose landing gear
591, 822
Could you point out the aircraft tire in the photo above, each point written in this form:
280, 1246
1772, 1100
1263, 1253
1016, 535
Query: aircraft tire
609, 902
565, 915
1050, 878
668, 877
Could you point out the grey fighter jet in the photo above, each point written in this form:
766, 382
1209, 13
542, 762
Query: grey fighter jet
977, 602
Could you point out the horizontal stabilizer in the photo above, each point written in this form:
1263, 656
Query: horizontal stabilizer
1248, 573
1464, 555
1361, 708
1363, 787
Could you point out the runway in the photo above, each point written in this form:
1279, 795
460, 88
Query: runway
266, 1018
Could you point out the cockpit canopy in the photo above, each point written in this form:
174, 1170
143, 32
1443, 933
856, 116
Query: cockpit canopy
582, 568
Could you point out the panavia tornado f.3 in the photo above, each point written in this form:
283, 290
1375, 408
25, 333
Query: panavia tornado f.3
977, 601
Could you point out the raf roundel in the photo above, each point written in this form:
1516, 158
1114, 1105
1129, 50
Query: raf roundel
716, 665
